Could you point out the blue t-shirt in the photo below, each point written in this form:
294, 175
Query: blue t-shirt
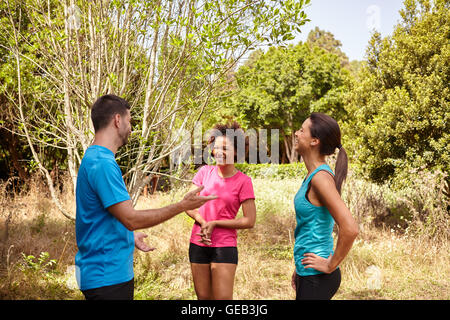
314, 229
105, 246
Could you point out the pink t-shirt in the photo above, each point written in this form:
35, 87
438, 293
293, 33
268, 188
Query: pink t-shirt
231, 192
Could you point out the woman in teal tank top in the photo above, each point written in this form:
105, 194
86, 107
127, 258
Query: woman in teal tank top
318, 205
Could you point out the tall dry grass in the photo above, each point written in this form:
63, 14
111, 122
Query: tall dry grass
30, 226
397, 236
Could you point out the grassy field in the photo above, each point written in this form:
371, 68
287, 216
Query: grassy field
38, 248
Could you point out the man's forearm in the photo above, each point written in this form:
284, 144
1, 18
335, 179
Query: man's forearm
151, 217
139, 219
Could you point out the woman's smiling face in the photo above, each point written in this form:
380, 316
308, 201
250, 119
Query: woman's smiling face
303, 136
223, 150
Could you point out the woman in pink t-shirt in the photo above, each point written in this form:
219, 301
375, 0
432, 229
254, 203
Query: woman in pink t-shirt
213, 245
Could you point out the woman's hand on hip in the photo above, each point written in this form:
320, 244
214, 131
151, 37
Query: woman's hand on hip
316, 262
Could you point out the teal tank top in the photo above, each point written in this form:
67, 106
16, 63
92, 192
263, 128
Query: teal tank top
313, 232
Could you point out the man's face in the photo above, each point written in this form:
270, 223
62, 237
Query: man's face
125, 127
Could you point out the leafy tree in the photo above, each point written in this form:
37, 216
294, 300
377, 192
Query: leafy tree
166, 57
280, 88
325, 40
14, 150
399, 113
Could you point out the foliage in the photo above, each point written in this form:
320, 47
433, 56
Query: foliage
278, 89
325, 39
14, 152
167, 58
294, 170
399, 105
43, 263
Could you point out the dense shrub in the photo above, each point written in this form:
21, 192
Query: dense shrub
274, 171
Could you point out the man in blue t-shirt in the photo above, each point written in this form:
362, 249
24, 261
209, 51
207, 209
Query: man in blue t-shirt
105, 217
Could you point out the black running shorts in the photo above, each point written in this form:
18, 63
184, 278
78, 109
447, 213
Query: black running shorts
121, 291
206, 255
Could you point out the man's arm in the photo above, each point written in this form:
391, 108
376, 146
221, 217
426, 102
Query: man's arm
139, 219
139, 242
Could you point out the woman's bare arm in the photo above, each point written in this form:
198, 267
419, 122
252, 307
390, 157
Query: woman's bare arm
195, 214
246, 222
324, 187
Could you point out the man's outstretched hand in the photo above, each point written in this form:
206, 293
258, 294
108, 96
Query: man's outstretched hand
192, 200
139, 242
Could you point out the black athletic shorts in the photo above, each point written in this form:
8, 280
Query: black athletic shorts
120, 291
206, 255
318, 287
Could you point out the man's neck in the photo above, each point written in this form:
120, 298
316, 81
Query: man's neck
104, 139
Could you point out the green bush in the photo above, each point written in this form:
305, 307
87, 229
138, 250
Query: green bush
274, 171
399, 111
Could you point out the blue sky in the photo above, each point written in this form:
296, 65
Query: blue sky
351, 21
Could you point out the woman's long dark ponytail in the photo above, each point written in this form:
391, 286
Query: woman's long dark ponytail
327, 130
341, 168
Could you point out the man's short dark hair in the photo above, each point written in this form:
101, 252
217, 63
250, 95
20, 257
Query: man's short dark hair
104, 109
